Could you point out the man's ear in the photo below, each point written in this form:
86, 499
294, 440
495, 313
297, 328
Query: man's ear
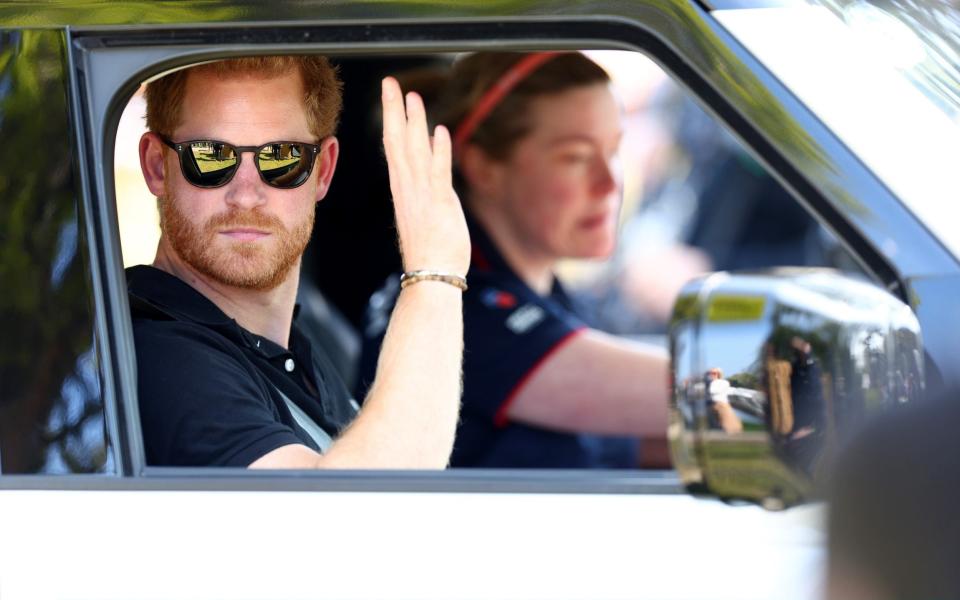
326, 164
152, 162
481, 172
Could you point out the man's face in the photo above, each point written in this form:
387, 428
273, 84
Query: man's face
245, 234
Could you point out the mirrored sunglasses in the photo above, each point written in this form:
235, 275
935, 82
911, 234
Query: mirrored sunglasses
212, 163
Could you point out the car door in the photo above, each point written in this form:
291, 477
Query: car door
130, 530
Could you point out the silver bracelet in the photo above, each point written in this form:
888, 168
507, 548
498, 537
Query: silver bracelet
411, 277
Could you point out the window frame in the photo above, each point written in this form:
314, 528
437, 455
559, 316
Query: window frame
136, 53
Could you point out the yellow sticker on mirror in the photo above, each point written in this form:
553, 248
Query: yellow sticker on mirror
731, 307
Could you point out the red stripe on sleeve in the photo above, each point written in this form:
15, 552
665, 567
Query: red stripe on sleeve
500, 419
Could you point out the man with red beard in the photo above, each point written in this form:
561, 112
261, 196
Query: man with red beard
238, 153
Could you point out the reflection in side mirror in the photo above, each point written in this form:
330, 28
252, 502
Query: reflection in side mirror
773, 372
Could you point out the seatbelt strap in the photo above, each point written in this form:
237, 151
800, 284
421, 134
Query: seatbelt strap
316, 433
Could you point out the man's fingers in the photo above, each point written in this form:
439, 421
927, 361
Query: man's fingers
394, 119
418, 143
441, 164
394, 132
430, 223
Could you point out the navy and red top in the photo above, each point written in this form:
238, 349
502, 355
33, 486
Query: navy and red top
509, 330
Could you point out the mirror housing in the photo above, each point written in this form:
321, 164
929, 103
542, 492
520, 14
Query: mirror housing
773, 371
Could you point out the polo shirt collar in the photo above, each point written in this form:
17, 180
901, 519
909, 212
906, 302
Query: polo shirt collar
177, 300
173, 296
485, 258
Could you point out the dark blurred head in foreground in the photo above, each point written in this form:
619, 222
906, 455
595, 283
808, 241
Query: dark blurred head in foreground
894, 522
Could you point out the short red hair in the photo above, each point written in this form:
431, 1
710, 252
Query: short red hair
322, 97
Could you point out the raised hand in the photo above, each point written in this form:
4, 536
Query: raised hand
430, 222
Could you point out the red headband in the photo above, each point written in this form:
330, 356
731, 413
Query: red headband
492, 97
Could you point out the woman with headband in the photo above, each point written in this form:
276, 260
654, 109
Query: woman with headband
535, 144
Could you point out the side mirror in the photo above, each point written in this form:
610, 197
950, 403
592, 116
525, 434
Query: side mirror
774, 371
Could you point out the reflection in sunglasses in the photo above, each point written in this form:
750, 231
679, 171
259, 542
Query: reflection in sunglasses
213, 157
211, 163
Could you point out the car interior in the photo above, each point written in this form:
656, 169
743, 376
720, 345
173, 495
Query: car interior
695, 199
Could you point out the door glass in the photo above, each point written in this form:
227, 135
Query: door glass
51, 403
691, 200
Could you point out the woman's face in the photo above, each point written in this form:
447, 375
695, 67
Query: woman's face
560, 187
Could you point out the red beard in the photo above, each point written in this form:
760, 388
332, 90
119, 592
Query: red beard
250, 265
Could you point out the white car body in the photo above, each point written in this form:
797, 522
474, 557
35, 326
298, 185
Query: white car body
140, 545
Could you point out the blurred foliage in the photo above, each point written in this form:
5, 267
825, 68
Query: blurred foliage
110, 12
46, 364
748, 380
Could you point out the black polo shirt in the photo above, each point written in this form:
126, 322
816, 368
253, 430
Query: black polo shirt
509, 331
212, 393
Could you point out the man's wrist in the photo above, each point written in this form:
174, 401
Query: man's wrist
427, 275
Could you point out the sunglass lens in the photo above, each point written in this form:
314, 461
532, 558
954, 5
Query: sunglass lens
209, 164
285, 165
